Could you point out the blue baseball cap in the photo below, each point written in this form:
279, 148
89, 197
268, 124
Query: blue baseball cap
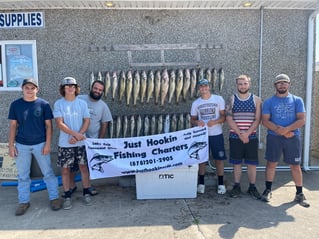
203, 82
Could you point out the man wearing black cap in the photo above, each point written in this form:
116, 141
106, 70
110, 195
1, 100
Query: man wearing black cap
209, 110
30, 134
283, 114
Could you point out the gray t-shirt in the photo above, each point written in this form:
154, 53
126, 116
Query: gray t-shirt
99, 113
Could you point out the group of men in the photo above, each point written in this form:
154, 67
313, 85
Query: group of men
30, 133
283, 115
80, 116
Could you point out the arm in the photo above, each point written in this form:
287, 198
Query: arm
76, 135
48, 140
196, 122
103, 129
12, 134
288, 130
229, 116
220, 120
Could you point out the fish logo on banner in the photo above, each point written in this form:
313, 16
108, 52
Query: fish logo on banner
98, 160
194, 149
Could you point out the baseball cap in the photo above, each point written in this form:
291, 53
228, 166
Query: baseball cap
68, 81
31, 81
282, 78
203, 82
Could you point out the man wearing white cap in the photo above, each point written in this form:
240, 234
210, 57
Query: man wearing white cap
283, 114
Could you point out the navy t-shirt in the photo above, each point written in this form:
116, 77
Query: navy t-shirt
31, 118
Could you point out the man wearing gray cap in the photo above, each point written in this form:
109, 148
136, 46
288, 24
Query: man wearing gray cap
283, 115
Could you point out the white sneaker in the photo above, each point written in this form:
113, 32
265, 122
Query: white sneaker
201, 188
221, 189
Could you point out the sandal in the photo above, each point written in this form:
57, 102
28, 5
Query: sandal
72, 190
93, 191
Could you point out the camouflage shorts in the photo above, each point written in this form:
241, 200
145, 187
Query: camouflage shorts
71, 157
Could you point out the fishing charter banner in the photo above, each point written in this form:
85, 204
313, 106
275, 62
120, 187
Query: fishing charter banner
130, 156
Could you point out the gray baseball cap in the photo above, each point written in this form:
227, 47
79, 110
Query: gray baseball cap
68, 81
282, 78
30, 81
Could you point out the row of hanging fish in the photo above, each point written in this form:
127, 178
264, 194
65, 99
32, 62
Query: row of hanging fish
162, 85
137, 125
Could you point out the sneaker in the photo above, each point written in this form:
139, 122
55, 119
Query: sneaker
87, 199
22, 208
266, 196
254, 193
221, 189
235, 192
201, 188
301, 199
67, 204
55, 204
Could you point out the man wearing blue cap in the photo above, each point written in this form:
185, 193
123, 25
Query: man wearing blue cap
283, 115
209, 110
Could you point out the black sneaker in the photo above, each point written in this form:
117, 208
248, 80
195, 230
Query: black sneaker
301, 199
254, 193
266, 195
235, 192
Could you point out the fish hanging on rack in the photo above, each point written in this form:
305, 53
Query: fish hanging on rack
172, 85
138, 125
157, 82
214, 79
150, 85
179, 84
173, 123
164, 86
143, 85
91, 80
200, 74
118, 127
180, 124
167, 124
136, 86
160, 124
188, 123
122, 85
111, 129
221, 79
125, 126
99, 76
129, 86
132, 126
153, 125
186, 83
146, 125
193, 83
114, 84
107, 84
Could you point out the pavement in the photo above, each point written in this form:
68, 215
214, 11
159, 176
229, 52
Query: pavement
117, 214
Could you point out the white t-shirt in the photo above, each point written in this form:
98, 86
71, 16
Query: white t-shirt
209, 109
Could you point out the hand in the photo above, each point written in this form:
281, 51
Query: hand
289, 134
244, 137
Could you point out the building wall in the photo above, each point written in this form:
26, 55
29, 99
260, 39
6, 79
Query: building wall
77, 42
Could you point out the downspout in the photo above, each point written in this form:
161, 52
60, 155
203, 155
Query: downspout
310, 56
260, 146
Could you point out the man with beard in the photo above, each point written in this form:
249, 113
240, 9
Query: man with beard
283, 114
243, 114
100, 116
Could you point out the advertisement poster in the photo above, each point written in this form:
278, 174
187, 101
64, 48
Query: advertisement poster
8, 168
130, 156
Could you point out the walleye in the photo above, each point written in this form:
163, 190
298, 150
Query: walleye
132, 126
129, 85
200, 74
136, 86
193, 83
173, 123
153, 125
111, 129
188, 123
91, 80
138, 125
221, 79
122, 85
157, 83
172, 85
214, 79
208, 74
107, 84
179, 84
150, 86
166, 124
118, 127
164, 86
125, 125
146, 125
99, 76
160, 124
186, 83
114, 84
143, 85
180, 124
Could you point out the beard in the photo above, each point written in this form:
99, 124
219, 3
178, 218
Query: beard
95, 96
282, 92
243, 91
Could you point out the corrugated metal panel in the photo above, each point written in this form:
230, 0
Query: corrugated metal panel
161, 4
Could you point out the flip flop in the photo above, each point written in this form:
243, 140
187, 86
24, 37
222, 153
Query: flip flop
93, 191
72, 191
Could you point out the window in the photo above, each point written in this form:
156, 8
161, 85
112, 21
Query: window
18, 61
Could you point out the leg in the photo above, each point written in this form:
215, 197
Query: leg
219, 167
237, 173
270, 171
66, 179
251, 171
85, 176
44, 162
296, 174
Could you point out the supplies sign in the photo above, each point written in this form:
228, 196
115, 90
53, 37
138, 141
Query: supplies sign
8, 168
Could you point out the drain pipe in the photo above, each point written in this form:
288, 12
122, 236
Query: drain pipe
260, 146
310, 57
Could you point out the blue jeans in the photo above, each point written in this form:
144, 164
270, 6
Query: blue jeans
23, 162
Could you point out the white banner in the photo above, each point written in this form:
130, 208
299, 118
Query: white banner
130, 156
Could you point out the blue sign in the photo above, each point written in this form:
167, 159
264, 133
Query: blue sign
21, 19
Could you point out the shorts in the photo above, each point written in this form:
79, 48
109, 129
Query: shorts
216, 146
71, 157
290, 148
239, 152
